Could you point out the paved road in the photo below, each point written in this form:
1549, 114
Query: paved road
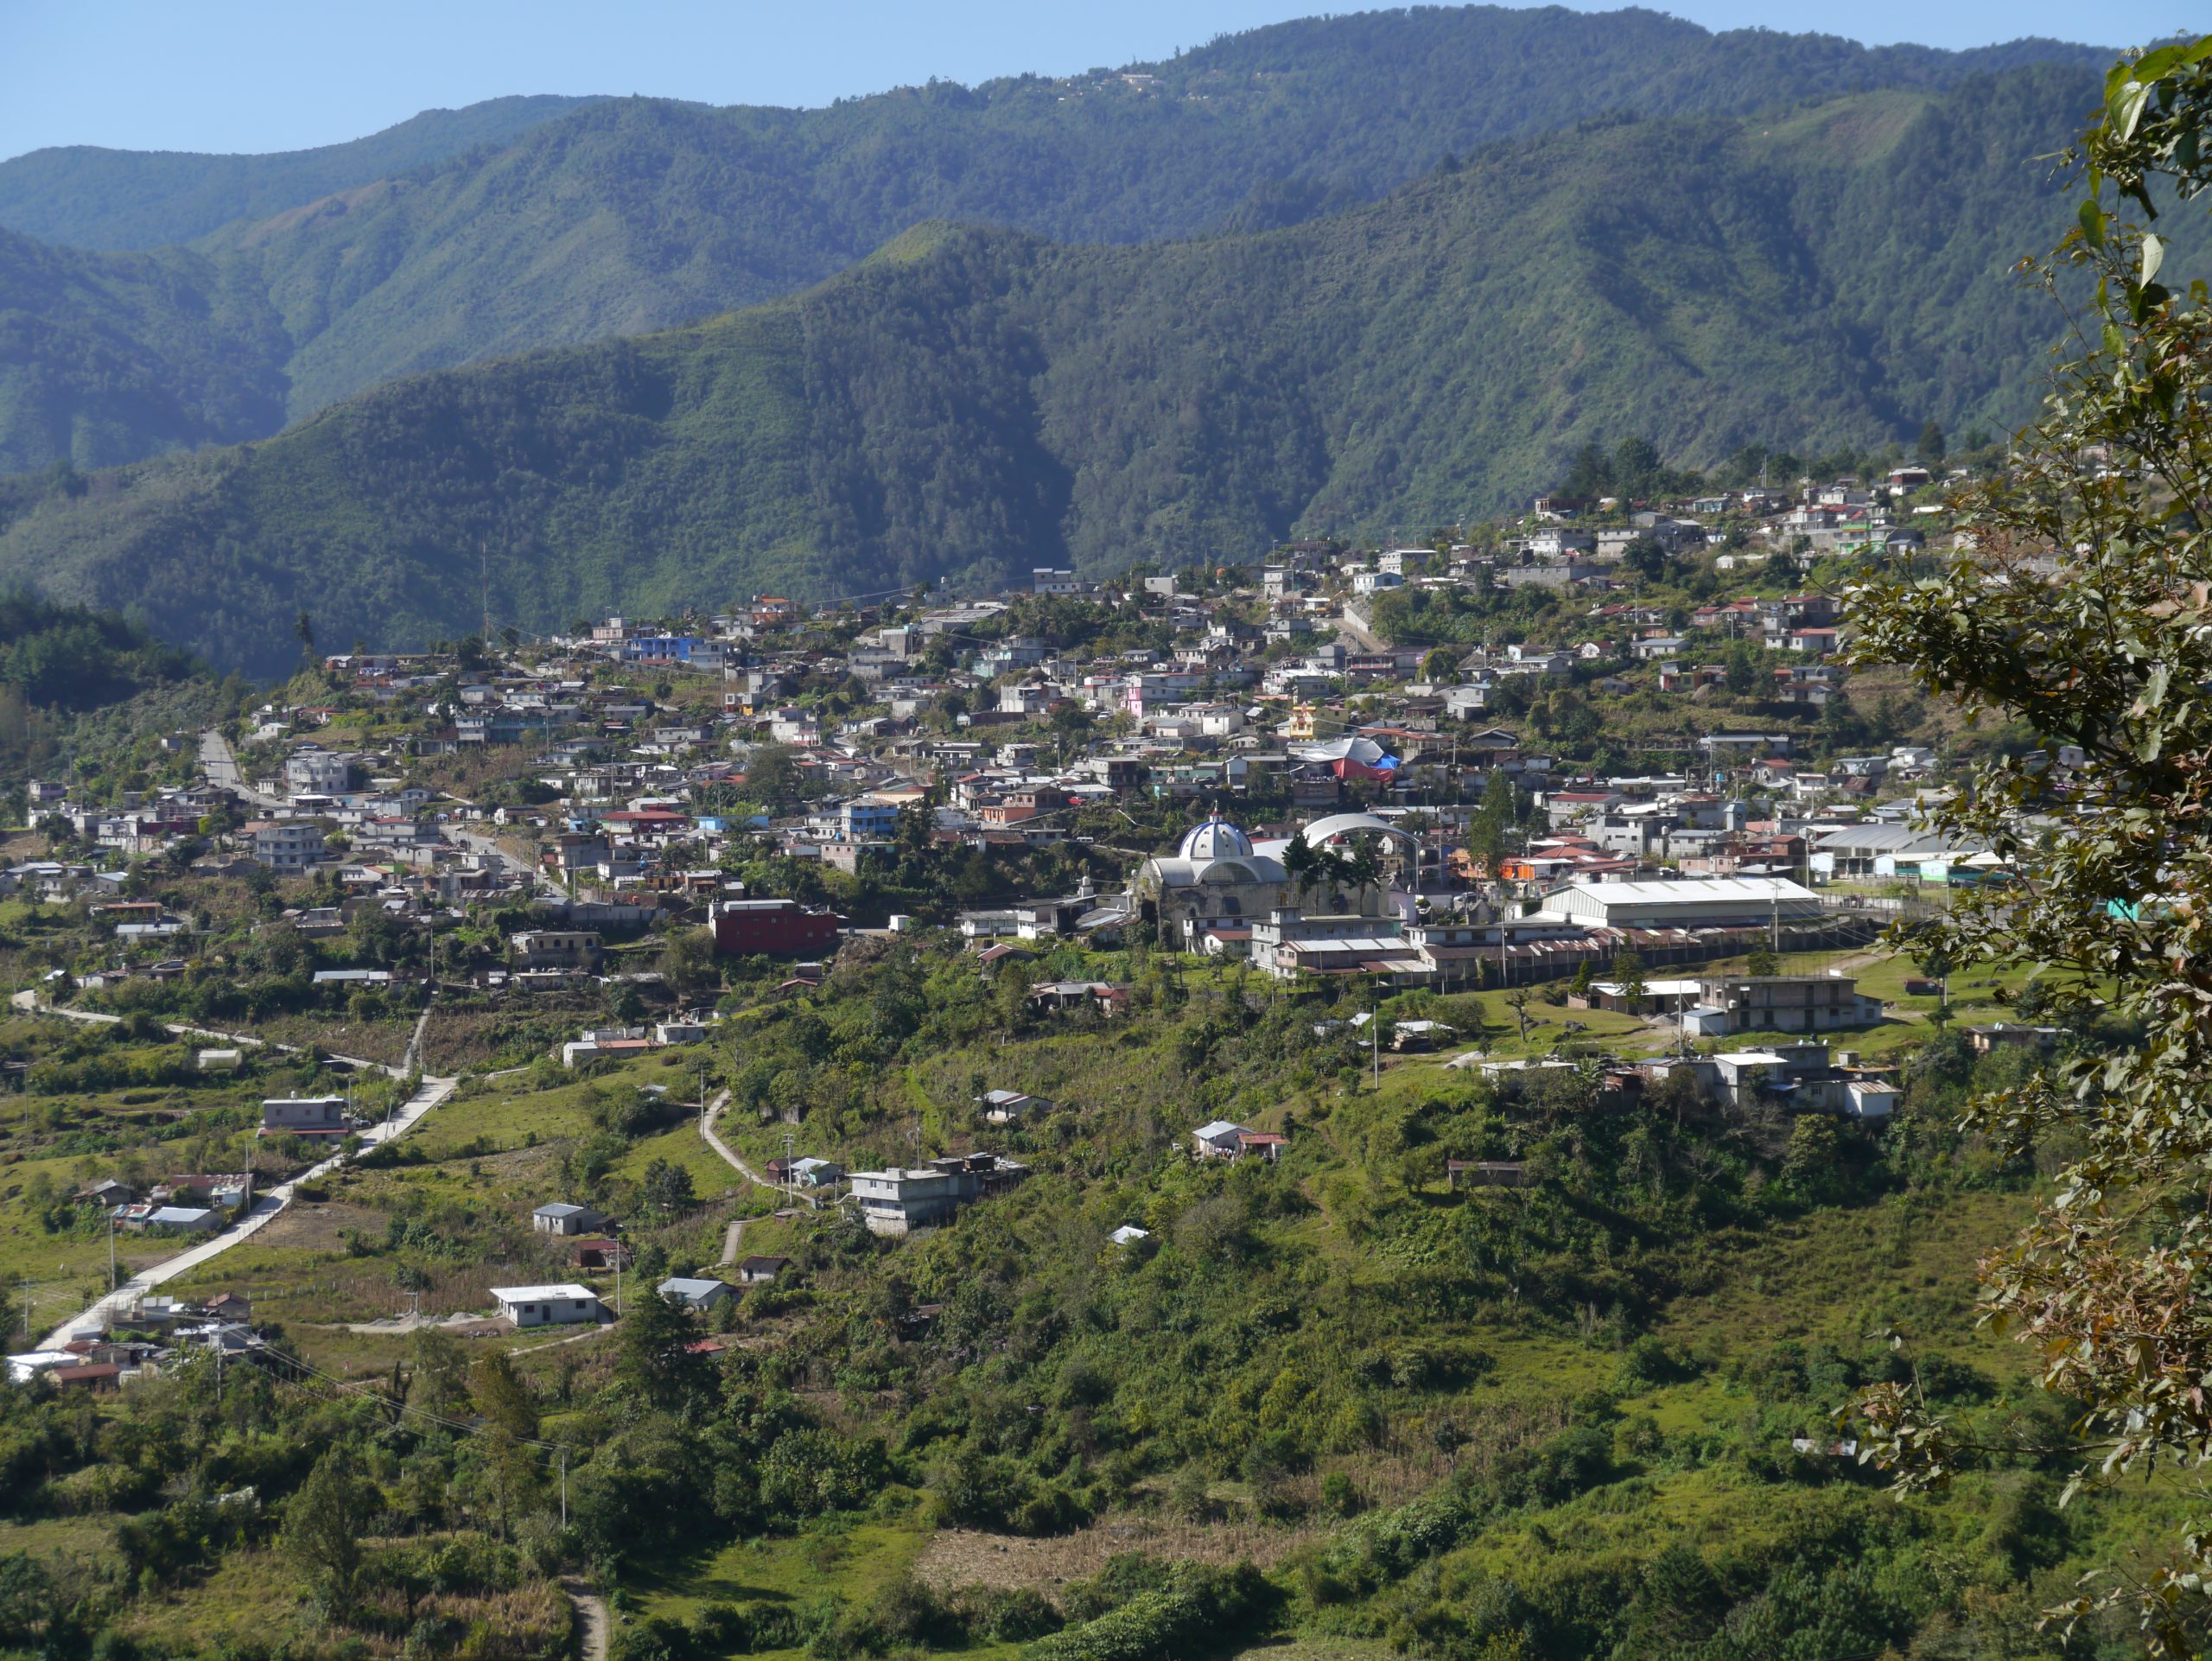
1366, 639
89, 1322
413, 1057
729, 1242
221, 768
479, 843
707, 1130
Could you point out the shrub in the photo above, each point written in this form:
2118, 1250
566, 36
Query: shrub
1649, 1362
1200, 1608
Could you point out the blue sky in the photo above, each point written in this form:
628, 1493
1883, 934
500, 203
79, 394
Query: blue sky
251, 75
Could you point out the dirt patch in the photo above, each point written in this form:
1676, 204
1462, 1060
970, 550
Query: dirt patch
969, 1557
321, 1227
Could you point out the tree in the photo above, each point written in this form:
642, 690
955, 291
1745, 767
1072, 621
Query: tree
1072, 722
657, 1359
1647, 557
1930, 448
1815, 1150
1747, 673
303, 632
771, 775
667, 1187
1761, 963
440, 1378
1628, 974
501, 1396
1441, 664
2109, 657
687, 958
323, 1525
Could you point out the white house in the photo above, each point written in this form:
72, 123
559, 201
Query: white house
1218, 1139
1005, 1106
1869, 1098
894, 1201
561, 1217
303, 1116
700, 1294
547, 1305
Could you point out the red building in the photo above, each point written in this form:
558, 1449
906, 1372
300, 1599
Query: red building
774, 928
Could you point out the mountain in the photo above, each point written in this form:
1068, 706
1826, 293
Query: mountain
87, 197
105, 358
972, 402
625, 216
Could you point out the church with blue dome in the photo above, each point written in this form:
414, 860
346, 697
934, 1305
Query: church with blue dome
1215, 839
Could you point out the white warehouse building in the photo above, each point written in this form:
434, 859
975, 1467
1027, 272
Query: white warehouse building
1685, 902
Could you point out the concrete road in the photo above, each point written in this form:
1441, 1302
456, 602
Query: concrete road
89, 1323
221, 768
477, 842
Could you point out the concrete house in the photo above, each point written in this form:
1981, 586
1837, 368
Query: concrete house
304, 1115
1005, 1106
894, 1201
1783, 1003
556, 948
285, 846
702, 1295
1217, 1139
547, 1305
561, 1217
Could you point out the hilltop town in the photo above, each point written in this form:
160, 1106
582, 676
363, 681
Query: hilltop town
711, 990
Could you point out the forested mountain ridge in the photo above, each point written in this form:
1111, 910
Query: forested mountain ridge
86, 196
972, 401
106, 357
624, 216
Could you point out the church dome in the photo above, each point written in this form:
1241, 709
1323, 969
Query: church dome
1215, 839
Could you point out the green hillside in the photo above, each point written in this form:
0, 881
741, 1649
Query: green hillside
973, 402
105, 358
86, 197
624, 216
1591, 1416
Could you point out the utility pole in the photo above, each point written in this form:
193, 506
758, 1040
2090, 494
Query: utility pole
110, 1252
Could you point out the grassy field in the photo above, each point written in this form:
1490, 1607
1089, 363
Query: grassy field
848, 1559
74, 1123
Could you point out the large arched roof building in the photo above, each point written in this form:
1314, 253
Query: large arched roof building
1324, 831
